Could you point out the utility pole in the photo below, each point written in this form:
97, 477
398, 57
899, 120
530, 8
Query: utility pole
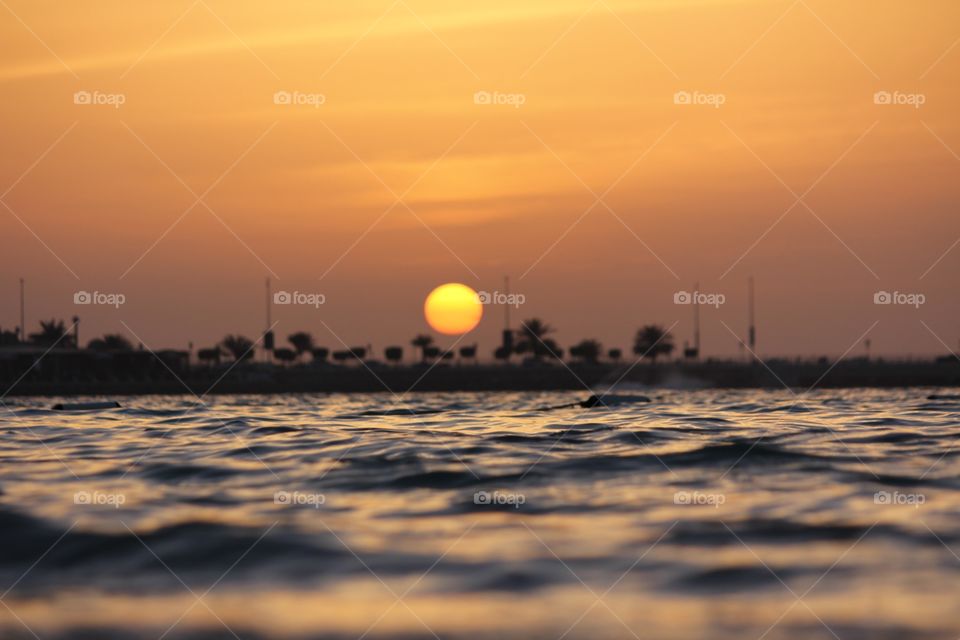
507, 336
268, 334
696, 319
506, 307
23, 325
752, 333
268, 303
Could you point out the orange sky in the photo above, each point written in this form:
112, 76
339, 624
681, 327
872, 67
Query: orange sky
98, 197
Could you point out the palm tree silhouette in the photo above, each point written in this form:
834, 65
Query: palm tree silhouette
587, 350
110, 342
52, 332
302, 342
469, 352
532, 338
240, 347
423, 341
284, 355
653, 340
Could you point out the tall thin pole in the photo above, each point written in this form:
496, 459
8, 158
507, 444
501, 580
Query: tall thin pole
696, 319
268, 304
23, 325
506, 307
750, 313
267, 337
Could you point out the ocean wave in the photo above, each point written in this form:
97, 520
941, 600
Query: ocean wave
673, 495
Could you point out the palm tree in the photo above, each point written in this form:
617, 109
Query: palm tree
240, 347
302, 342
110, 342
422, 342
284, 355
52, 332
393, 354
532, 338
653, 341
469, 352
587, 350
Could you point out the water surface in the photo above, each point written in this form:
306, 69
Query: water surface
704, 514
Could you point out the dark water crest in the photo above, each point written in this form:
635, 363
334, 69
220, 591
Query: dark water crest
706, 514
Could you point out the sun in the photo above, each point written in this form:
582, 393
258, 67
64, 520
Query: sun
453, 309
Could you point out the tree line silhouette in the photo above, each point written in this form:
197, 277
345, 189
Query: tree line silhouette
532, 342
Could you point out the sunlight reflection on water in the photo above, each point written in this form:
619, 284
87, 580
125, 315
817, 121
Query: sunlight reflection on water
707, 514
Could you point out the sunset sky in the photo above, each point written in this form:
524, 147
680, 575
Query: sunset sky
186, 196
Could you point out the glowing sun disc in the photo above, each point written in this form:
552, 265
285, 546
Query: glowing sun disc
453, 309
